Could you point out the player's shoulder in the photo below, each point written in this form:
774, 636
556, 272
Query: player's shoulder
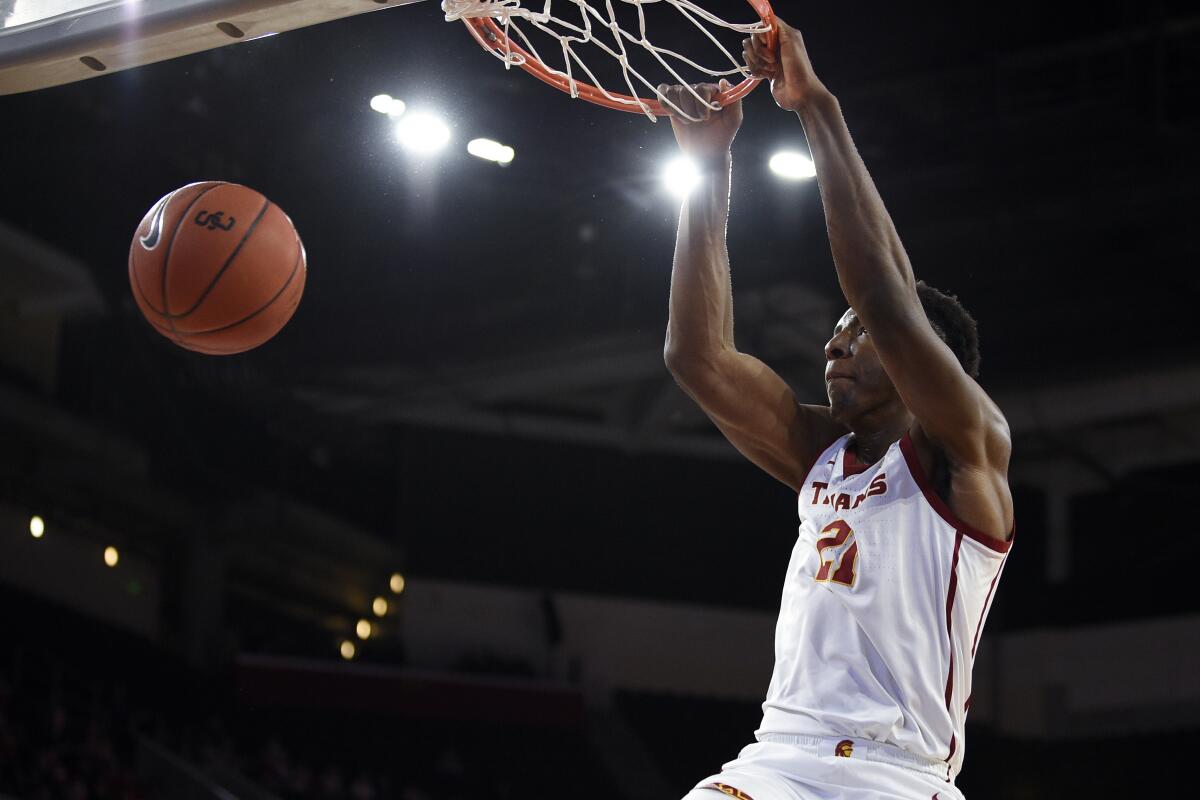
995, 435
983, 445
975, 491
998, 437
990, 447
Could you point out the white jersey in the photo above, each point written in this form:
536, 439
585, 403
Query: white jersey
884, 601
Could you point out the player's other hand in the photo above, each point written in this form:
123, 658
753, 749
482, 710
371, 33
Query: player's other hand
793, 82
712, 136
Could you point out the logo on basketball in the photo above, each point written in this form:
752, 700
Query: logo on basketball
844, 748
150, 240
215, 221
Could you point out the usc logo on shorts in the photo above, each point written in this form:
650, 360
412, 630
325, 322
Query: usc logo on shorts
725, 788
844, 748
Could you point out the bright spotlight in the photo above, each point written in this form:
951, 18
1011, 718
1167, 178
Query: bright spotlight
793, 166
386, 104
363, 629
348, 649
111, 556
491, 151
380, 606
396, 583
37, 527
681, 176
422, 132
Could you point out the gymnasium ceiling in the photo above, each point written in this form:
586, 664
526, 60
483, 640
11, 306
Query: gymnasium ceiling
1039, 161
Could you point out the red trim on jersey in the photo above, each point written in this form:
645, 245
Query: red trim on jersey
850, 463
950, 592
983, 612
816, 462
939, 505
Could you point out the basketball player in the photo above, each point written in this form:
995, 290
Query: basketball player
906, 516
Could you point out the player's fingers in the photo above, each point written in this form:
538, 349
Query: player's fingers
706, 92
783, 31
787, 36
763, 47
760, 48
686, 103
682, 103
670, 96
664, 93
757, 66
700, 102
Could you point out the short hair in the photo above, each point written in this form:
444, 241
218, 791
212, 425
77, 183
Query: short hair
953, 324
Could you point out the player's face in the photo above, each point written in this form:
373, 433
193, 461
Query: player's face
854, 377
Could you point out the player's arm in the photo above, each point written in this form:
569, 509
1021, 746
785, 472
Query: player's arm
750, 404
877, 279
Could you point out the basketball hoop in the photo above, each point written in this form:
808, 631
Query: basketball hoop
501, 40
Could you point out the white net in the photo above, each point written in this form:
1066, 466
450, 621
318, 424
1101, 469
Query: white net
582, 24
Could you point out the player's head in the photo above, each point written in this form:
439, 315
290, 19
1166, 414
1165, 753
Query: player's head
854, 377
953, 324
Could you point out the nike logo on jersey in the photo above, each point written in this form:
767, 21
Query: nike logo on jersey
150, 240
842, 500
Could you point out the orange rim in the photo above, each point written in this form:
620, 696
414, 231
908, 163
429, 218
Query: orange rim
492, 38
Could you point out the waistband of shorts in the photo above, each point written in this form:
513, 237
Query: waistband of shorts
865, 749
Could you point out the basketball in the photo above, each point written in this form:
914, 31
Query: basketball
217, 268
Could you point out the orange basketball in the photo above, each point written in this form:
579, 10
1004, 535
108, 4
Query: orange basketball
216, 267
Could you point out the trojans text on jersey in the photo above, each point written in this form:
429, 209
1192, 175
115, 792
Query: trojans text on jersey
842, 500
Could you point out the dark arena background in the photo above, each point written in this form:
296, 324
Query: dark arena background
466, 448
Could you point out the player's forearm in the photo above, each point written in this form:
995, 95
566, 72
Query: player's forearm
867, 251
701, 304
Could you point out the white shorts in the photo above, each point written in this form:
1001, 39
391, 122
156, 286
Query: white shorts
816, 768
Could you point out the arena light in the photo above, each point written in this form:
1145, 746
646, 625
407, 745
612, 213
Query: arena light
490, 150
396, 583
422, 132
111, 556
386, 104
793, 166
37, 527
380, 606
348, 649
680, 176
363, 629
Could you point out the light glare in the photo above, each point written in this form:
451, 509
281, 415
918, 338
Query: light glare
348, 649
490, 150
363, 629
37, 527
397, 583
386, 104
380, 606
422, 132
793, 166
681, 176
111, 556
